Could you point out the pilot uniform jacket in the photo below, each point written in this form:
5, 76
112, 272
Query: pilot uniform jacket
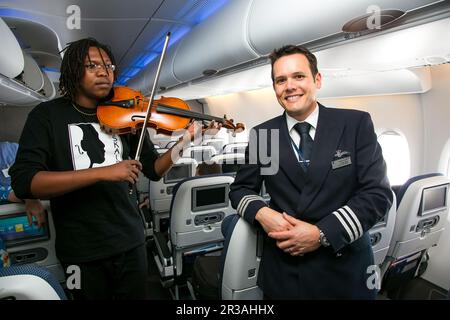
344, 192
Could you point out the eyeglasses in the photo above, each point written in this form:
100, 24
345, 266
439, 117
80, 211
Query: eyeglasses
94, 67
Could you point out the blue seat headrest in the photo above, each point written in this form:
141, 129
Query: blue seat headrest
33, 269
400, 192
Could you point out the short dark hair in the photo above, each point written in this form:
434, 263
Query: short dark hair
291, 49
72, 65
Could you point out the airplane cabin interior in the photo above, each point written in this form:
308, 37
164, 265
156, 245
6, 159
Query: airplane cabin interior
388, 58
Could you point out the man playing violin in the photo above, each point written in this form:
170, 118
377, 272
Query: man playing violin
64, 156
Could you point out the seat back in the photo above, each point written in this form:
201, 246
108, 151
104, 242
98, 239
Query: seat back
198, 208
29, 282
142, 186
421, 216
422, 210
28, 244
161, 191
381, 233
241, 257
143, 183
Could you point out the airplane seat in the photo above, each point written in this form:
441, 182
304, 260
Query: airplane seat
142, 186
199, 153
29, 282
229, 162
239, 273
198, 207
160, 192
422, 209
233, 275
28, 244
142, 192
381, 233
400, 190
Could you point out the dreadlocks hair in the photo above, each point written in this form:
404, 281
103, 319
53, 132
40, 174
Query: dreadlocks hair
72, 66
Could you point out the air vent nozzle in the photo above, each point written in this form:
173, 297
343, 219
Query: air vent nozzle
209, 72
364, 22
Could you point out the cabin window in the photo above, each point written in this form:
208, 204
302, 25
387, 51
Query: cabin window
396, 154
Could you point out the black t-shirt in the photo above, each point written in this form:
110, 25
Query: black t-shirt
97, 221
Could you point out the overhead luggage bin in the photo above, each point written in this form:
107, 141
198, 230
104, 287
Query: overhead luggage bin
271, 25
24, 89
11, 57
22, 82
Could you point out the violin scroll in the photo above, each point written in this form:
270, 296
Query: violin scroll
229, 124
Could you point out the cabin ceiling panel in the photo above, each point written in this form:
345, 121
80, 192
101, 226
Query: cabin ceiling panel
144, 43
376, 83
90, 9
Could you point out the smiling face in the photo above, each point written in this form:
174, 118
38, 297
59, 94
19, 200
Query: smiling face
95, 84
295, 86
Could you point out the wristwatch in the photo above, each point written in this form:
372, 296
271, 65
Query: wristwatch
323, 239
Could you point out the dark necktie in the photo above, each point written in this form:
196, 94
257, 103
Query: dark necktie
306, 143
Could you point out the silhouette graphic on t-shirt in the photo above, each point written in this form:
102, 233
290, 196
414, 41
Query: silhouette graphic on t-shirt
92, 144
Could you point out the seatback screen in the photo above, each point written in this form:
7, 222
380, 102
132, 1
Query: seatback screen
15, 230
434, 199
210, 197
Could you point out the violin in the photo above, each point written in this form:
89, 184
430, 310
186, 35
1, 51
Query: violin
127, 110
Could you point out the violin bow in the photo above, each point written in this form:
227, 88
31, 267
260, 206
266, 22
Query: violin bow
150, 101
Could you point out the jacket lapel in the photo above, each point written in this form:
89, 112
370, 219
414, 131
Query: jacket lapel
326, 140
